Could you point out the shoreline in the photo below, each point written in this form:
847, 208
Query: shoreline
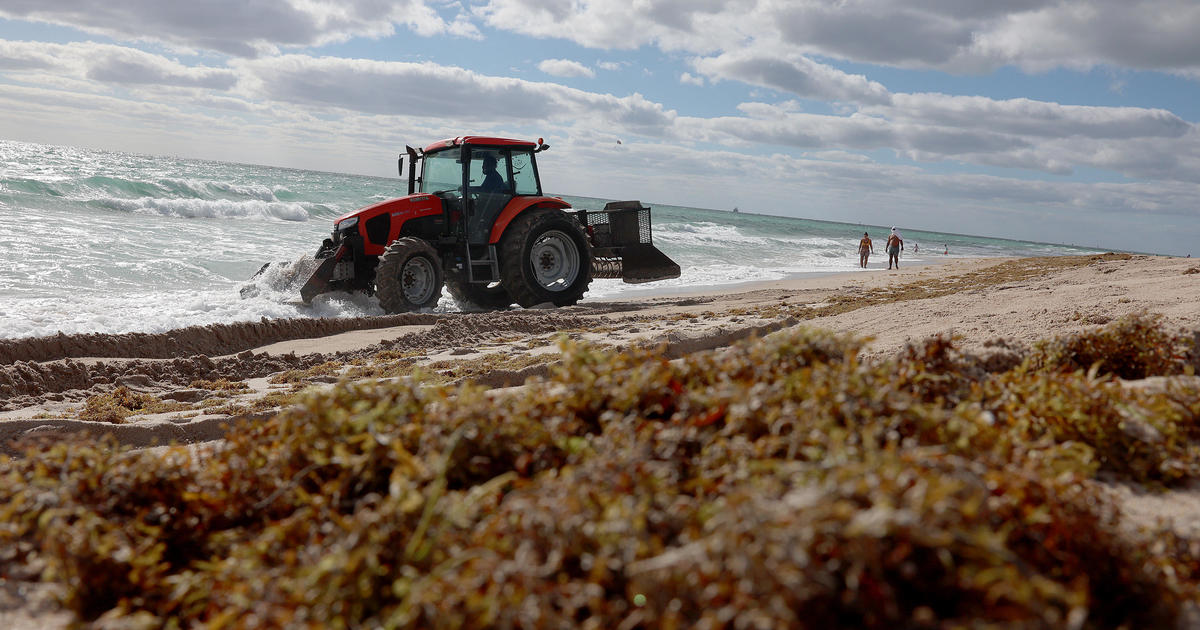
978, 299
796, 280
982, 302
631, 293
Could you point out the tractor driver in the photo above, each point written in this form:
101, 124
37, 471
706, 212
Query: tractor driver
492, 181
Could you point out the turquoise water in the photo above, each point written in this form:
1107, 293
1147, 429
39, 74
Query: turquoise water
97, 241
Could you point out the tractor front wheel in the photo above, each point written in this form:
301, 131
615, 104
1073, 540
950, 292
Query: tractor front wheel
544, 257
409, 276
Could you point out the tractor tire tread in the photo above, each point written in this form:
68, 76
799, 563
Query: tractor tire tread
515, 270
388, 286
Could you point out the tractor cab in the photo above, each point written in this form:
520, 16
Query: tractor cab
476, 178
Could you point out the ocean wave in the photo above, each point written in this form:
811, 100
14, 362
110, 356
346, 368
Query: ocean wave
207, 208
105, 187
322, 211
703, 234
283, 193
32, 186
717, 244
101, 185
812, 241
214, 190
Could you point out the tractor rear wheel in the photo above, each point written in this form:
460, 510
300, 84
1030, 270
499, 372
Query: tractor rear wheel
409, 276
544, 257
484, 296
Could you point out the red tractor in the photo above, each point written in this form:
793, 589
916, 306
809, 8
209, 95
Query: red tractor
476, 221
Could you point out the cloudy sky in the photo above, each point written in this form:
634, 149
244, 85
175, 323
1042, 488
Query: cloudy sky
1052, 120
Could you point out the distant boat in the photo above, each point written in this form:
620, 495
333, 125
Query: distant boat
735, 210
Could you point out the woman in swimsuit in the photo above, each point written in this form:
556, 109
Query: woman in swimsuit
865, 249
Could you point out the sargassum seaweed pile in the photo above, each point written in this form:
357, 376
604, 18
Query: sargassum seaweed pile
779, 483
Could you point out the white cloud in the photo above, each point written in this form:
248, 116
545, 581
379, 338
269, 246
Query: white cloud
432, 90
241, 27
688, 78
796, 75
618, 24
1140, 143
108, 64
962, 35
565, 68
1016, 133
1022, 116
966, 35
1143, 34
896, 33
1145, 144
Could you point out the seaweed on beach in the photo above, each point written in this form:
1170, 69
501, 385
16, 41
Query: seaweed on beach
328, 369
115, 406
780, 482
1132, 347
221, 386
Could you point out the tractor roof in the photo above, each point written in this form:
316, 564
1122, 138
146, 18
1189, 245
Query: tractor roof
480, 140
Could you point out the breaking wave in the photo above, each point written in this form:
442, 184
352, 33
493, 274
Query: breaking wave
208, 208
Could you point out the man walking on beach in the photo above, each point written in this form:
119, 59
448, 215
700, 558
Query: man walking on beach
865, 249
894, 245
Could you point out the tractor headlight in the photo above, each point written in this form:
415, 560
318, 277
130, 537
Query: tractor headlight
346, 224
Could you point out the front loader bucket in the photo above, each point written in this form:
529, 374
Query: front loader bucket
318, 282
646, 263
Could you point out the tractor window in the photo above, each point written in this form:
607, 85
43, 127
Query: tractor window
489, 171
442, 171
524, 175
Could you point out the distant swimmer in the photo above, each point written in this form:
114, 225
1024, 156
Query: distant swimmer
865, 249
916, 248
946, 251
894, 245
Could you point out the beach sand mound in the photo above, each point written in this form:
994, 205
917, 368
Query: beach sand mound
26, 382
40, 369
212, 340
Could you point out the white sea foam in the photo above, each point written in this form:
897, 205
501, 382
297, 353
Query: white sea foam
207, 190
209, 208
703, 233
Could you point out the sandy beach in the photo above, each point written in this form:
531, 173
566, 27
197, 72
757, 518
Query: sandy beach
990, 306
984, 303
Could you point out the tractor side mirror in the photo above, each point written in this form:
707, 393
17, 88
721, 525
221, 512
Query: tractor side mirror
400, 165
